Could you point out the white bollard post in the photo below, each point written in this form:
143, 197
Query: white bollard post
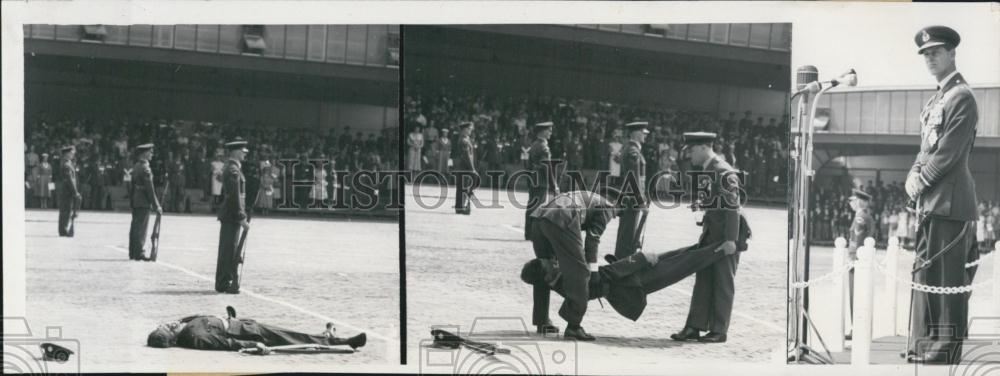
839, 291
891, 284
863, 299
996, 276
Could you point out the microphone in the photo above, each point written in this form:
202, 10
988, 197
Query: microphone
849, 78
804, 76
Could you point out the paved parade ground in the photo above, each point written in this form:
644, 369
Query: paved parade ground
462, 269
299, 274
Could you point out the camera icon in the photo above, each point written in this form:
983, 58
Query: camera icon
979, 354
495, 345
25, 353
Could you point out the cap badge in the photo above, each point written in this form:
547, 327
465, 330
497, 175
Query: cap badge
925, 37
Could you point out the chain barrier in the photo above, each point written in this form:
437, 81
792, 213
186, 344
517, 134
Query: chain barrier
935, 289
979, 261
827, 276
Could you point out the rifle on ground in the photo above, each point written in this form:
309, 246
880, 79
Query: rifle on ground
298, 349
445, 339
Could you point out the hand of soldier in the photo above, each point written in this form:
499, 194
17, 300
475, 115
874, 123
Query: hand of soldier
729, 247
263, 348
159, 210
245, 224
78, 196
912, 186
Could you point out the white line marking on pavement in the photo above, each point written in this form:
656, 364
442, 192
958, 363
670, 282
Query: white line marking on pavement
515, 229
266, 298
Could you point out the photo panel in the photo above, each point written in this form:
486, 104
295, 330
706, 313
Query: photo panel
150, 153
895, 198
642, 167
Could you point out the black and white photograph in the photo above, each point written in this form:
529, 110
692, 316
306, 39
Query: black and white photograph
595, 198
897, 192
190, 188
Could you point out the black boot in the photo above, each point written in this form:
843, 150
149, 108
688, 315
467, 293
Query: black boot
547, 328
576, 332
713, 337
686, 334
357, 341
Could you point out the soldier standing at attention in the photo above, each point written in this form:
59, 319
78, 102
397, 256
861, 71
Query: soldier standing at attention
233, 216
465, 162
634, 199
142, 199
538, 156
862, 228
944, 191
712, 298
69, 194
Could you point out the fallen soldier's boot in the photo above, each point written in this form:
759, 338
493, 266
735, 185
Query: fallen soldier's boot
357, 341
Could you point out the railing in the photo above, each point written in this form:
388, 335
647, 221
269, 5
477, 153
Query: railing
865, 278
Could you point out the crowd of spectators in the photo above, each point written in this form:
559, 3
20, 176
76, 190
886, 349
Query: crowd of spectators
587, 134
190, 155
831, 216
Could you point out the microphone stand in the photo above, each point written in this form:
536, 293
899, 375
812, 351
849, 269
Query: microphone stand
800, 320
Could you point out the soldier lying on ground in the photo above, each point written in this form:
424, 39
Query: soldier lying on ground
626, 282
206, 332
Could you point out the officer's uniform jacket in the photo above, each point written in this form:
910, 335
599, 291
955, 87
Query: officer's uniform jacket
210, 333
538, 155
722, 220
634, 167
233, 193
466, 155
67, 177
579, 211
948, 131
143, 194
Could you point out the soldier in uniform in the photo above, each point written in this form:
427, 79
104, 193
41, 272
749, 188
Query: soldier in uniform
464, 162
69, 192
205, 332
568, 229
142, 199
233, 216
862, 228
944, 191
538, 155
633, 199
712, 298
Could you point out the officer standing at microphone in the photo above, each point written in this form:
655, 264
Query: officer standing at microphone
945, 194
233, 216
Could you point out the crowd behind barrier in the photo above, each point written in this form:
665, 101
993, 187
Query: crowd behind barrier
189, 157
832, 216
587, 135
